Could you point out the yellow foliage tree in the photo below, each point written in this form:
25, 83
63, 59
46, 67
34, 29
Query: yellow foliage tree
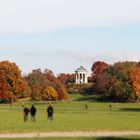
51, 93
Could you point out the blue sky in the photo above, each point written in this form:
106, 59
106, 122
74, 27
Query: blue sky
61, 35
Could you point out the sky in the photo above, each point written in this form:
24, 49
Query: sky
62, 35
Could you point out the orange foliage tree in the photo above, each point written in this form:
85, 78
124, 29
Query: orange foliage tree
45, 86
135, 79
38, 83
57, 84
5, 95
13, 84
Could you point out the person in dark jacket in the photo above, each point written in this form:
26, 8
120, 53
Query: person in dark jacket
33, 113
26, 113
86, 107
50, 112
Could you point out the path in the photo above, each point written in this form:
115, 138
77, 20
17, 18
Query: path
69, 134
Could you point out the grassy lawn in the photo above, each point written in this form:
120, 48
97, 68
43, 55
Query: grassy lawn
72, 116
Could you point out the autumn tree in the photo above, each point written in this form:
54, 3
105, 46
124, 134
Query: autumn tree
38, 83
13, 84
45, 86
122, 90
5, 95
57, 84
135, 79
49, 75
61, 90
97, 68
114, 83
104, 83
66, 78
51, 93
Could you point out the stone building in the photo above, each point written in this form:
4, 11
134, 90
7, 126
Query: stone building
81, 75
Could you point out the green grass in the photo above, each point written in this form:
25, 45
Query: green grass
75, 96
72, 116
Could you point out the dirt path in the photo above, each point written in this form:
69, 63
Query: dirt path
69, 134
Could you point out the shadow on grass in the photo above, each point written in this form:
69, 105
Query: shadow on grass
85, 99
115, 138
130, 109
90, 98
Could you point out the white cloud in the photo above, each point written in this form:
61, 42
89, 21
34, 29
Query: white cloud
27, 16
115, 56
67, 61
89, 58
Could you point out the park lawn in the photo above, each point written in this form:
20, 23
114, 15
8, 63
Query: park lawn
72, 116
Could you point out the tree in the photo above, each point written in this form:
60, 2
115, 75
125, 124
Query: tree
49, 75
13, 83
115, 82
57, 84
5, 95
66, 78
45, 86
38, 83
51, 93
61, 90
104, 83
135, 79
97, 68
123, 87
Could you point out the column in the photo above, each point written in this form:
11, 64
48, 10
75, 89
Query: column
76, 78
83, 77
86, 78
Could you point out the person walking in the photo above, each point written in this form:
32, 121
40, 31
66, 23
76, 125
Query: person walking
86, 107
50, 112
26, 113
33, 113
110, 106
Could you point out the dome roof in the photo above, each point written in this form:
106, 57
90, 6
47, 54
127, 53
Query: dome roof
81, 69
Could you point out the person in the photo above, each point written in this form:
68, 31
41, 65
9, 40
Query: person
26, 113
33, 113
50, 112
110, 106
86, 107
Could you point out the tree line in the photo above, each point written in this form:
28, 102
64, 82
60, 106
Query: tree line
111, 82
116, 82
37, 85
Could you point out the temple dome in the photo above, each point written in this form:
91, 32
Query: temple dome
81, 69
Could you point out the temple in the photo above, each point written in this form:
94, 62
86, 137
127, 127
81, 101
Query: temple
81, 75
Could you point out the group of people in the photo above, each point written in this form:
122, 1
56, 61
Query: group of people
32, 111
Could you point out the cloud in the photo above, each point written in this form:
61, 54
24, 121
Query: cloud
67, 61
87, 57
62, 56
116, 55
31, 16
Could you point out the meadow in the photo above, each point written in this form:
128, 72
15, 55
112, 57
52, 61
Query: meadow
72, 116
